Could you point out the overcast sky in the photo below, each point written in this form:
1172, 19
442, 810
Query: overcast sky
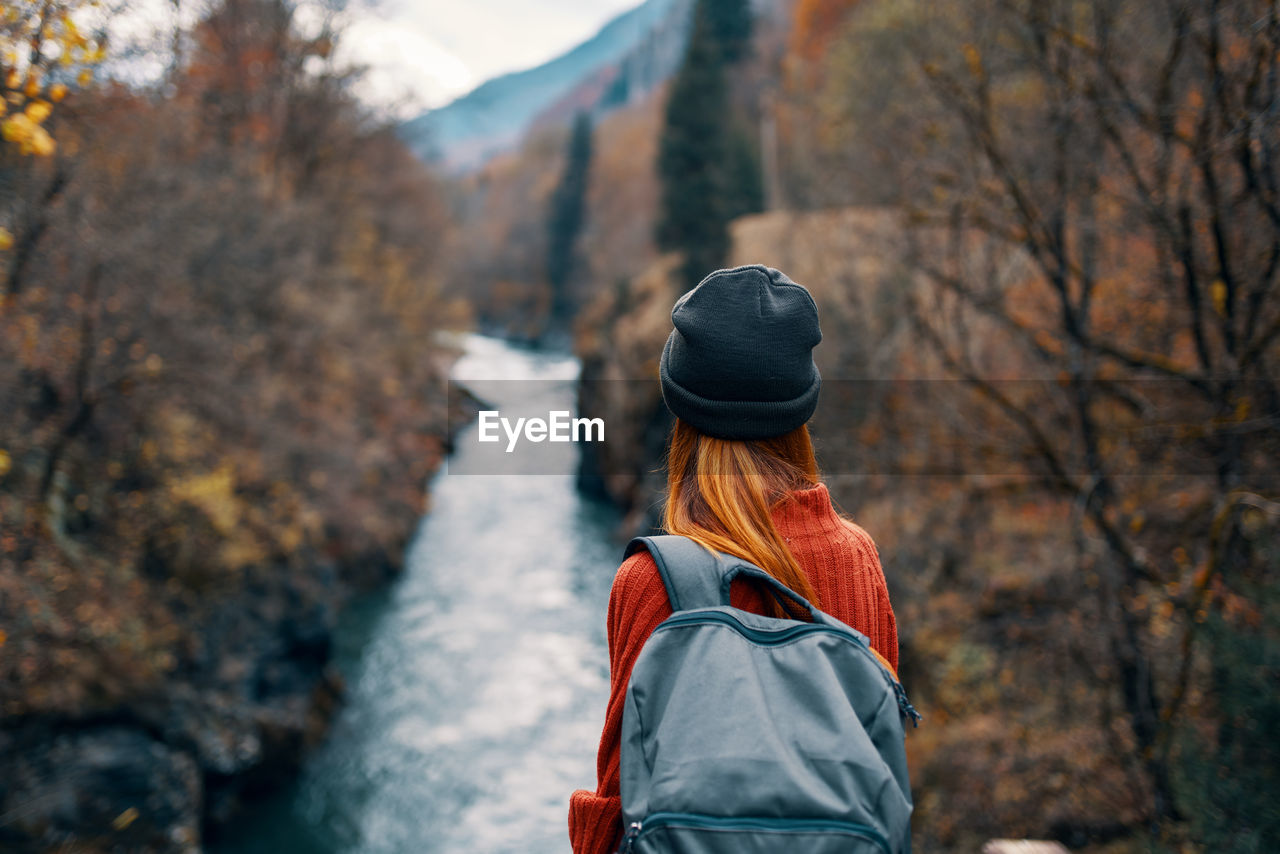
431, 51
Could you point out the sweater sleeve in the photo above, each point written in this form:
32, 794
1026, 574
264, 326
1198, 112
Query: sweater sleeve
888, 624
637, 605
883, 628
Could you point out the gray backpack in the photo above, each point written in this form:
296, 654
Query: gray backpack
746, 734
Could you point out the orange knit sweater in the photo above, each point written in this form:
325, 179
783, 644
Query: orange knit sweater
841, 562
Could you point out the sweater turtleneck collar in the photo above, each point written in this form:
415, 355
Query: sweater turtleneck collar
806, 511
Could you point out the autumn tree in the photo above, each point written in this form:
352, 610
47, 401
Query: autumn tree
816, 24
44, 52
1092, 188
216, 374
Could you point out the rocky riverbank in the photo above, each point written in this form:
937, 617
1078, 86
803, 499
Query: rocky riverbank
120, 755
159, 770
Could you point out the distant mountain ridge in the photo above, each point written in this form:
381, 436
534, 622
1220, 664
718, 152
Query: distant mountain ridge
630, 55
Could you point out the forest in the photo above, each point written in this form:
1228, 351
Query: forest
1044, 238
218, 410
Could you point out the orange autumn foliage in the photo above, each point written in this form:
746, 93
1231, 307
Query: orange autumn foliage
815, 24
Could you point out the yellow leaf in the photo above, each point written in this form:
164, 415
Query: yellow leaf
213, 492
6, 243
38, 111
125, 818
15, 128
42, 145
1218, 292
973, 58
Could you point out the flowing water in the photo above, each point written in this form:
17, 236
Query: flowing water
477, 684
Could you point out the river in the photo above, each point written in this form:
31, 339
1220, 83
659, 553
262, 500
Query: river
476, 684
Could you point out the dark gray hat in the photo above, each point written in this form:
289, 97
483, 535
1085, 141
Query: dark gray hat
739, 363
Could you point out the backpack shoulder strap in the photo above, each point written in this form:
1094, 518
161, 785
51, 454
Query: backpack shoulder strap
696, 577
691, 573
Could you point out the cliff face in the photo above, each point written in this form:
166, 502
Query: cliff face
620, 337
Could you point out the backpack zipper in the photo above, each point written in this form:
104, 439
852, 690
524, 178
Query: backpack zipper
774, 825
629, 841
773, 637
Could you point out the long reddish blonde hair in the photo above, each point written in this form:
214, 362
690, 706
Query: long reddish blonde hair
720, 493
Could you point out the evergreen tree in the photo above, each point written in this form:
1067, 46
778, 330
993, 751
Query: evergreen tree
745, 192
703, 159
565, 220
730, 23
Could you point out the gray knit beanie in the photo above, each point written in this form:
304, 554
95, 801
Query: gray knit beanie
739, 363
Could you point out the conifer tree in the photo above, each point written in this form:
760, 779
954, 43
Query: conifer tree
703, 158
730, 23
745, 190
565, 221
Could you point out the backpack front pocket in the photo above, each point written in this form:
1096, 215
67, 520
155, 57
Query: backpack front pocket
688, 833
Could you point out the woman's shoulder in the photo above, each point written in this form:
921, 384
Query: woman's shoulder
636, 569
855, 533
638, 601
637, 582
851, 545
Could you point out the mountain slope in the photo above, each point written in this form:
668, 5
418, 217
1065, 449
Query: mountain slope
493, 116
